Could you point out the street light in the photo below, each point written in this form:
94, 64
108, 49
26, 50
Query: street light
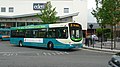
91, 26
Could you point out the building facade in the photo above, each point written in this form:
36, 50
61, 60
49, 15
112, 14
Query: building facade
15, 13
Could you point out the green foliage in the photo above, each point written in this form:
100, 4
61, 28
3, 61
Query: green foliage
99, 31
107, 12
48, 15
106, 32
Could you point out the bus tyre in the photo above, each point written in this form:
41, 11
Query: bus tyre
50, 45
20, 44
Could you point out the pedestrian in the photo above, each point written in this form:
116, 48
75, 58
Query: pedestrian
87, 41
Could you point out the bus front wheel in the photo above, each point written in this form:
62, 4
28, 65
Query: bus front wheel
50, 45
20, 44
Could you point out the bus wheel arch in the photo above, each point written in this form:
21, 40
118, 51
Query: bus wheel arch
50, 45
20, 43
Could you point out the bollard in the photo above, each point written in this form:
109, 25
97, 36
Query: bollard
93, 41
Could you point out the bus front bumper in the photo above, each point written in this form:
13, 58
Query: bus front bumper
70, 46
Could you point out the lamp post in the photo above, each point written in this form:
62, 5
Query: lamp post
91, 26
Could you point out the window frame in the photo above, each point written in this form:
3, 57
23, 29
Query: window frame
66, 10
11, 9
3, 9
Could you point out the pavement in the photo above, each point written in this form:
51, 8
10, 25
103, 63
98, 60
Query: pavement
106, 46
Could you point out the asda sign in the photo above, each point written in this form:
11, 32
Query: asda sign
38, 6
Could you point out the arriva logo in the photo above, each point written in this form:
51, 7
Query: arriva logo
38, 6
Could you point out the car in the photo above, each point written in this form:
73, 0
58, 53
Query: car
115, 60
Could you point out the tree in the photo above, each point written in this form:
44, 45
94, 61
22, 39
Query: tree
105, 30
48, 15
107, 12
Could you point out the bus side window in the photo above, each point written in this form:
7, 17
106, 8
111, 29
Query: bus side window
29, 34
52, 33
49, 34
65, 34
13, 33
35, 33
59, 34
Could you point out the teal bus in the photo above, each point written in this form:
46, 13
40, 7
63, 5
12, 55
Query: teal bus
5, 33
59, 36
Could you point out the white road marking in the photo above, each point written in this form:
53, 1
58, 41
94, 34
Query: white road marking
38, 54
9, 54
44, 54
58, 53
16, 54
61, 52
4, 54
49, 54
66, 52
54, 53
99, 51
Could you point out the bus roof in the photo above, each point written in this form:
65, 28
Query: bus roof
30, 27
42, 26
4, 29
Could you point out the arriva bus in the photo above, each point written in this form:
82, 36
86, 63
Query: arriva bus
5, 33
60, 35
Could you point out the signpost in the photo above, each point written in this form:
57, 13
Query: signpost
91, 26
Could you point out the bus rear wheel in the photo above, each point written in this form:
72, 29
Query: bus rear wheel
50, 45
20, 44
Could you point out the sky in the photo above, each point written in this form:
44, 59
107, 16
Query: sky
91, 4
91, 18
